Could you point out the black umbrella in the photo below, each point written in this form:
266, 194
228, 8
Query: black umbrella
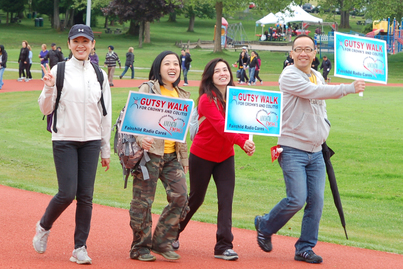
327, 153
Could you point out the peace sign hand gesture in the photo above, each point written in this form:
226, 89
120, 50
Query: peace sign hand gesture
48, 77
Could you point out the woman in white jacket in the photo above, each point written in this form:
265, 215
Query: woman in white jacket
82, 132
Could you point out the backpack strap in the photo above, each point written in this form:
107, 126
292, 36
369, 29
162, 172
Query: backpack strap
151, 85
100, 78
59, 86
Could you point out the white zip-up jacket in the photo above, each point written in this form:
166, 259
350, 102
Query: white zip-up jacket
79, 115
305, 125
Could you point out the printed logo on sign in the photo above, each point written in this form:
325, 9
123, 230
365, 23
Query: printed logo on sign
374, 66
267, 119
135, 102
171, 125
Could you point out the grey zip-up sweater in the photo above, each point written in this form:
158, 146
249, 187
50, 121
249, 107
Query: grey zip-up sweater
305, 125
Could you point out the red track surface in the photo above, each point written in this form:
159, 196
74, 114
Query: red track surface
110, 236
110, 239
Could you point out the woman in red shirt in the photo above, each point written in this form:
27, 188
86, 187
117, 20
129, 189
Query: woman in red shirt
212, 153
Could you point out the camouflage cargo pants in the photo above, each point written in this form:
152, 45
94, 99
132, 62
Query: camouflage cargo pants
171, 173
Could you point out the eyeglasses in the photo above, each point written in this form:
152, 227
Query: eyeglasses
307, 50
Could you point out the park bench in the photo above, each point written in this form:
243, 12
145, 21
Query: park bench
98, 34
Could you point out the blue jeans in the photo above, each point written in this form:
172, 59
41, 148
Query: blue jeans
252, 74
126, 68
304, 176
1, 77
44, 65
185, 75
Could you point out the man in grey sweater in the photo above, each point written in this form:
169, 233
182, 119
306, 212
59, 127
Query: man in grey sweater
305, 128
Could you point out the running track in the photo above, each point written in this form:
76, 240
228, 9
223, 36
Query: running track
110, 237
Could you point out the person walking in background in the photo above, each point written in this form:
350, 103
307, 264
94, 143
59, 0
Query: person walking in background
315, 63
207, 159
94, 57
29, 75
252, 63
257, 70
42, 55
61, 53
110, 62
288, 61
81, 137
304, 93
169, 162
242, 61
3, 64
186, 59
326, 66
23, 61
129, 63
54, 56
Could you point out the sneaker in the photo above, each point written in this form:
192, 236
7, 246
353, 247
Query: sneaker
175, 244
170, 255
261, 82
120, 77
27, 79
308, 256
263, 241
141, 254
249, 83
185, 84
40, 239
19, 79
254, 83
241, 82
80, 256
228, 255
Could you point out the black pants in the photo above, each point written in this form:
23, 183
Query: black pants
200, 172
76, 165
22, 68
257, 75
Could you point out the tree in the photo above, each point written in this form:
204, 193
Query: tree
141, 11
197, 9
12, 7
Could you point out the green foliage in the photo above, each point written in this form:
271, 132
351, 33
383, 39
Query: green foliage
15, 6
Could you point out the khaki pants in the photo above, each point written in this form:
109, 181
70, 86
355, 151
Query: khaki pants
111, 72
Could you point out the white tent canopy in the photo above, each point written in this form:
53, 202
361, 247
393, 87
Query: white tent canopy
297, 14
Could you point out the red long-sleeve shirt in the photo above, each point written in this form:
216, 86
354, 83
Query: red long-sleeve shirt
211, 142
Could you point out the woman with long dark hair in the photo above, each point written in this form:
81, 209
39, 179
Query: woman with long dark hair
212, 154
168, 162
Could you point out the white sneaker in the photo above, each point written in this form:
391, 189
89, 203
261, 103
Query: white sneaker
40, 239
80, 256
27, 79
249, 83
261, 82
228, 255
254, 83
19, 79
185, 84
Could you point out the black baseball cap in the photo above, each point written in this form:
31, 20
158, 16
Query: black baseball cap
81, 30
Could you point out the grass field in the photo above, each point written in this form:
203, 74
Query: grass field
366, 136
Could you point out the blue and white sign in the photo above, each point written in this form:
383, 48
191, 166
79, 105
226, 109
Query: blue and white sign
360, 58
251, 111
157, 116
